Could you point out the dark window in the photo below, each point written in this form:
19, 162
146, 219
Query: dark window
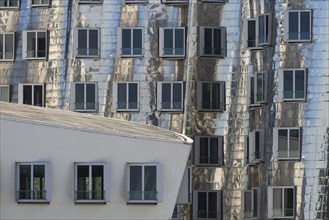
127, 96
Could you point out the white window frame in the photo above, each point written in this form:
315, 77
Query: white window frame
88, 55
159, 183
161, 42
271, 213
281, 85
40, 3
47, 183
159, 96
246, 34
120, 35
286, 26
174, 1
268, 26
90, 1
24, 47
254, 203
3, 36
276, 142
222, 96
195, 204
220, 150
9, 7
115, 103
256, 99
73, 97
7, 97
251, 147
222, 39
21, 92
136, 1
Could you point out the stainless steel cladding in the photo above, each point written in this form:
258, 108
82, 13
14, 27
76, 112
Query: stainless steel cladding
269, 75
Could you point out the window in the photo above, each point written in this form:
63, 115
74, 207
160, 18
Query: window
213, 41
257, 88
251, 203
287, 143
7, 46
33, 182
126, 96
258, 31
34, 45
292, 84
5, 93
255, 147
174, 1
91, 1
143, 185
31, 94
40, 2
170, 96
87, 42
207, 204
172, 42
177, 213
297, 25
281, 202
209, 150
85, 96
251, 33
131, 41
211, 96
9, 4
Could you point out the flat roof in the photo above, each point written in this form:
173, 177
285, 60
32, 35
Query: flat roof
87, 122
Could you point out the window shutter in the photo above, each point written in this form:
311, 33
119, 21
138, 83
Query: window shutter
243, 204
202, 43
286, 26
48, 175
281, 88
197, 150
270, 202
159, 95
249, 78
269, 27
160, 182
72, 102
119, 42
106, 182
195, 204
127, 181
275, 143
258, 208
221, 150
161, 41
75, 42
224, 42
222, 96
252, 146
114, 96
245, 34
24, 45
246, 150
17, 180
219, 204
199, 95
262, 144
20, 93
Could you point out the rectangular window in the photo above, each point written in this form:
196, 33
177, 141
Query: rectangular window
9, 4
88, 42
131, 41
85, 96
170, 96
213, 41
207, 204
5, 93
172, 42
40, 3
255, 147
143, 183
263, 29
281, 202
209, 150
7, 46
34, 44
31, 94
250, 27
292, 84
211, 96
33, 182
126, 96
90, 1
297, 25
257, 88
91, 182
251, 203
287, 143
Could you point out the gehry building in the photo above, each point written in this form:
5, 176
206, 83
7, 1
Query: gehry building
247, 80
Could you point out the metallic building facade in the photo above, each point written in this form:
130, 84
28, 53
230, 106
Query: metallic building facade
62, 68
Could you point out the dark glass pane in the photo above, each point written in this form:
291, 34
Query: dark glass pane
24, 182
257, 145
179, 42
216, 104
261, 29
288, 202
212, 205
251, 42
79, 96
133, 93
166, 95
126, 42
39, 182
293, 26
93, 42
294, 143
13, 3
214, 154
98, 182
137, 41
305, 27
299, 84
177, 96
217, 42
83, 182
202, 205
288, 86
31, 44
150, 181
38, 91
208, 41
204, 150
82, 42
277, 202
9, 49
247, 151
267, 29
90, 96
168, 42
41, 44
122, 96
206, 88
135, 184
27, 94
252, 90
283, 143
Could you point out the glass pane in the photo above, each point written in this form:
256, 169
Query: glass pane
4, 94
251, 42
288, 202
126, 41
90, 96
177, 96
206, 88
277, 202
216, 104
294, 143
150, 181
204, 154
39, 182
135, 185
283, 143
260, 87
214, 154
83, 182
9, 46
261, 29
168, 42
13, 3
31, 45
257, 145
252, 90
305, 30
299, 84
93, 42
41, 51
24, 182
166, 96
122, 96
288, 86
217, 42
38, 95
133, 93
98, 182
202, 205
247, 205
208, 41
137, 42
79, 96
293, 26
27, 94
212, 205
179, 42
82, 42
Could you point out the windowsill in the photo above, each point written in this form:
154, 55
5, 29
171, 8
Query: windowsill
90, 2
174, 2
181, 57
127, 110
254, 48
293, 100
87, 56
143, 202
85, 110
36, 58
40, 6
86, 201
208, 165
288, 159
282, 217
214, 1
171, 110
4, 8
7, 60
208, 56
33, 201
210, 111
132, 56
299, 41
137, 2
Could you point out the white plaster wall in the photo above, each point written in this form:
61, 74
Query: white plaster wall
22, 141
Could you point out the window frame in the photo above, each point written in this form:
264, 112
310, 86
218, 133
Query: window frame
90, 1
8, 87
220, 150
253, 89
281, 85
21, 93
159, 96
162, 42
120, 35
271, 203
11, 7
4, 46
88, 55
255, 211
25, 42
115, 97
73, 96
40, 4
222, 96
158, 183
251, 147
196, 202
47, 183
286, 26
106, 180
267, 26
223, 41
276, 143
